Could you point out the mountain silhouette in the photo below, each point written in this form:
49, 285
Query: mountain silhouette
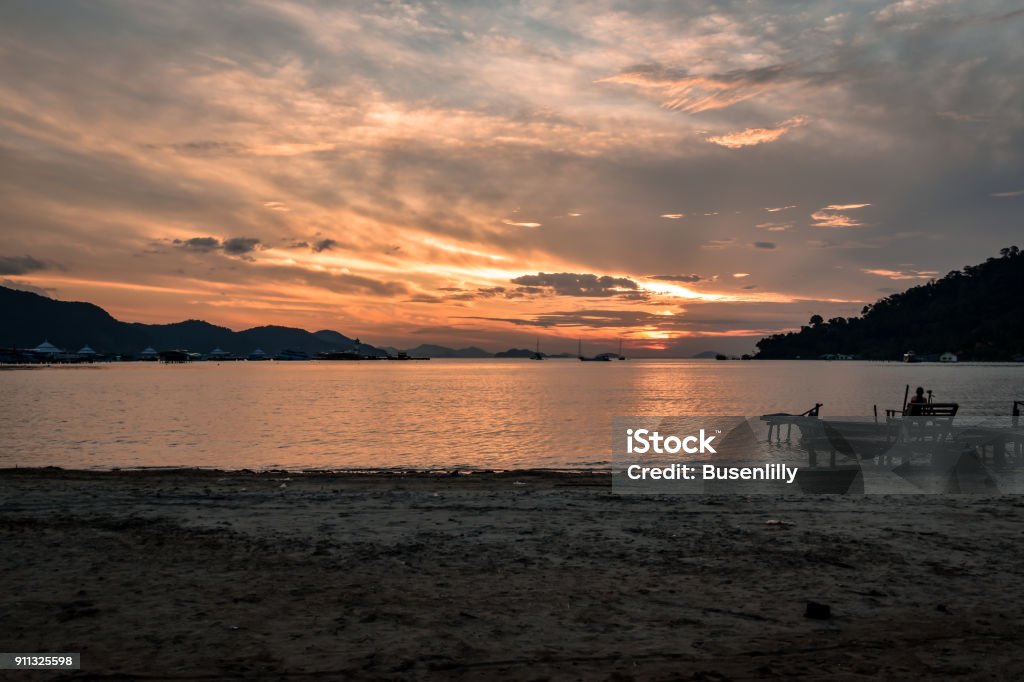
976, 313
427, 350
26, 319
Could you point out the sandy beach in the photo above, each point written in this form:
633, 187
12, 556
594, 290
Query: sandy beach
189, 574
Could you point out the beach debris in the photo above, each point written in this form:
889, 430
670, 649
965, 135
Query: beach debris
778, 522
818, 611
518, 483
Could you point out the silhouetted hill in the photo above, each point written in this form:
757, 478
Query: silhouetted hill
427, 350
706, 355
26, 319
977, 313
515, 353
329, 336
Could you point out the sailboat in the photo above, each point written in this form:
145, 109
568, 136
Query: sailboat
536, 354
597, 358
621, 356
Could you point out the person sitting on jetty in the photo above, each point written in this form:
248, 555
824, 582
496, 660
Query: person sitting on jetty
914, 406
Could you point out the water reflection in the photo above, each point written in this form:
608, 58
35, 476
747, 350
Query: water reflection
443, 413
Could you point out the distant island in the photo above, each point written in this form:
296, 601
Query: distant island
427, 350
972, 314
517, 353
27, 319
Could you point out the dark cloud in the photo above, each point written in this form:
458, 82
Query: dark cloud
199, 243
20, 265
324, 245
596, 318
764, 245
697, 92
235, 246
677, 278
425, 298
239, 245
576, 284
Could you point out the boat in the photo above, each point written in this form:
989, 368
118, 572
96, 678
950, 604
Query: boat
604, 357
948, 357
537, 354
621, 356
911, 356
402, 355
350, 354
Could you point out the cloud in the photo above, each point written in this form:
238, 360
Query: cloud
424, 298
1007, 195
672, 216
677, 278
694, 93
395, 124
324, 245
754, 136
199, 243
764, 245
901, 274
718, 244
843, 207
20, 265
24, 286
740, 275
829, 216
575, 284
234, 246
909, 13
239, 245
525, 224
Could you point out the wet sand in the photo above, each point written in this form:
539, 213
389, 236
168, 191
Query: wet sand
211, 575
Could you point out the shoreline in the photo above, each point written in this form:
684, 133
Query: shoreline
339, 474
517, 575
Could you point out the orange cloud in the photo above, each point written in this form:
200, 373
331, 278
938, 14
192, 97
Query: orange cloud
829, 216
901, 274
755, 136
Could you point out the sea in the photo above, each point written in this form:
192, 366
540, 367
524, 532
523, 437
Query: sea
436, 415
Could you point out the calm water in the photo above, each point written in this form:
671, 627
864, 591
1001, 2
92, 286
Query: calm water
442, 413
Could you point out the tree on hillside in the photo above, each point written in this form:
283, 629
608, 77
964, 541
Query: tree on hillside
976, 312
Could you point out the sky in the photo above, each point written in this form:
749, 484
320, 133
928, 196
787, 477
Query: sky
682, 176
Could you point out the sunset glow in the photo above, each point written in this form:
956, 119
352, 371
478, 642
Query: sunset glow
413, 173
